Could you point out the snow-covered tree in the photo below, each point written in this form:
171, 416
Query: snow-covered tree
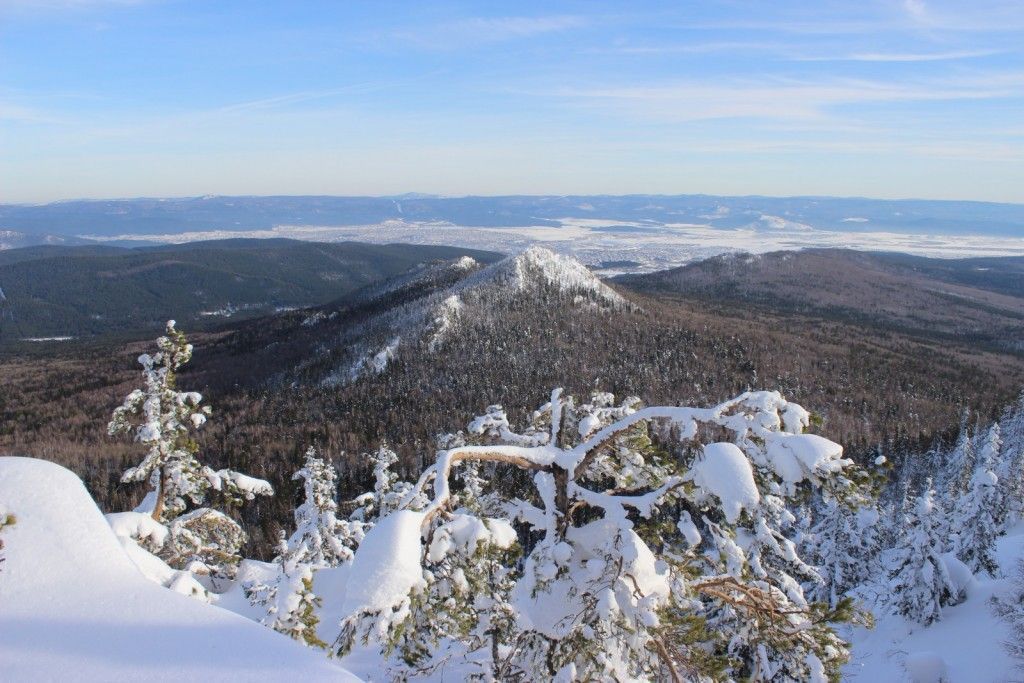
328, 541
288, 598
919, 584
388, 492
846, 546
642, 561
960, 463
1011, 463
163, 419
979, 511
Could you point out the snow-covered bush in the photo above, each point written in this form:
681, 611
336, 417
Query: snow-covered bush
656, 546
162, 419
288, 598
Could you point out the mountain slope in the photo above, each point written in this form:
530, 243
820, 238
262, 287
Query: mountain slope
423, 352
86, 291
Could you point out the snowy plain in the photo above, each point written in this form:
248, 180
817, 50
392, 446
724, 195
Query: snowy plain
614, 246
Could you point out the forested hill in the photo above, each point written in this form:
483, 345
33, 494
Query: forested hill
83, 291
979, 301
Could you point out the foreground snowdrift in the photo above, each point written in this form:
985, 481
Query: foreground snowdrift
74, 607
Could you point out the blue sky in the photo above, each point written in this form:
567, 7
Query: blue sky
119, 98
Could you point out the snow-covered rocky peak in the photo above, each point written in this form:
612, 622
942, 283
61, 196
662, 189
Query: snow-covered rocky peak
538, 268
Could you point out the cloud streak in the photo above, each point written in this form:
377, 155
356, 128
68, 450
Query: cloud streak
904, 56
476, 31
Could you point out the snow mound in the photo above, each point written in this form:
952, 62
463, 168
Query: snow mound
926, 667
76, 608
386, 565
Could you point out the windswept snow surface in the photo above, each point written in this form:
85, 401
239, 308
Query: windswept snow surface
966, 643
73, 606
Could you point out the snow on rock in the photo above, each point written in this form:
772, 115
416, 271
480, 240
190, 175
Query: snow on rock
538, 266
447, 317
380, 360
74, 607
386, 567
725, 472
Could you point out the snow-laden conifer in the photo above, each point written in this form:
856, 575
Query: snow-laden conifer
919, 583
389, 493
846, 548
959, 468
163, 419
328, 541
1011, 462
979, 510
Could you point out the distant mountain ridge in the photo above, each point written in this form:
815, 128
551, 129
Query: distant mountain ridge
110, 218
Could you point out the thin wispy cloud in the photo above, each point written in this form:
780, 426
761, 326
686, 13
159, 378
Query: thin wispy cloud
781, 100
482, 30
50, 5
903, 56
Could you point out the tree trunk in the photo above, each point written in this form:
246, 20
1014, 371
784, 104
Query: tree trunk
158, 507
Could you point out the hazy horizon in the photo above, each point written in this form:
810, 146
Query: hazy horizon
499, 195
